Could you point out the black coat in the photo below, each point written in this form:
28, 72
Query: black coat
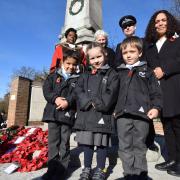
169, 60
118, 56
101, 90
55, 86
139, 91
2, 120
110, 57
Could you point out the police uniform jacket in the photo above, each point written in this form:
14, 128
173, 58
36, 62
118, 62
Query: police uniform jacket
110, 57
139, 91
168, 59
56, 86
96, 95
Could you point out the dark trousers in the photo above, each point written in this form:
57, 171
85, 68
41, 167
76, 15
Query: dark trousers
171, 128
58, 145
132, 135
151, 135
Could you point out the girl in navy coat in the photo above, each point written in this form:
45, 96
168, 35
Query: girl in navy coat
59, 114
96, 94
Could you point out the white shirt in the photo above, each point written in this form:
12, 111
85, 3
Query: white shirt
160, 42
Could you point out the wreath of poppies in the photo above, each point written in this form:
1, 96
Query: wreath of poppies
73, 2
23, 153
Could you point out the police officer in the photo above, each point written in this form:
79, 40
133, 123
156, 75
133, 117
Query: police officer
128, 26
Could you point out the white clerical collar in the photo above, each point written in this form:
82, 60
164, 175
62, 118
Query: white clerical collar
130, 66
160, 42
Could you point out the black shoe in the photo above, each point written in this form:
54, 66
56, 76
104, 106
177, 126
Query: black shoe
53, 176
132, 177
153, 147
128, 177
46, 176
174, 170
143, 175
165, 165
99, 174
86, 174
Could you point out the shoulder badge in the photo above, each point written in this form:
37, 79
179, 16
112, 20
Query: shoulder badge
142, 74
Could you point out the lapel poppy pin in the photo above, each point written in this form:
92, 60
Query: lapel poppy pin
58, 80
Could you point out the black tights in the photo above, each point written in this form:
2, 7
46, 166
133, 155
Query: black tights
100, 157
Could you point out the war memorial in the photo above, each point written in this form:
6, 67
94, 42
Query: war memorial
27, 103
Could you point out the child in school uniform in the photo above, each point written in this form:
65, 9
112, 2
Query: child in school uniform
139, 101
96, 95
59, 113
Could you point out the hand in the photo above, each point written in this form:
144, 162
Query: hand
153, 113
158, 72
59, 100
63, 105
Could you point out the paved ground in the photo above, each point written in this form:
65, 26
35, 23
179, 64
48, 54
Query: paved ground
115, 173
115, 169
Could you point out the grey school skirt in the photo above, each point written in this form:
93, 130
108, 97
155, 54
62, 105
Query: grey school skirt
90, 138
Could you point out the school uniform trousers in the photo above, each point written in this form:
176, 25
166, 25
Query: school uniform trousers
58, 143
132, 133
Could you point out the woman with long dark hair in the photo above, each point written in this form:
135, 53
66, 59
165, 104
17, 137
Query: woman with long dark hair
163, 55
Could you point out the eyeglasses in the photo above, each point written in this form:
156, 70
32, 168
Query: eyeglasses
124, 26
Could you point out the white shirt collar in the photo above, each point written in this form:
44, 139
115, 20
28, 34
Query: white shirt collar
160, 42
72, 45
130, 66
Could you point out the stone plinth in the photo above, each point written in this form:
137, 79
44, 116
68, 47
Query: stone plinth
19, 102
37, 104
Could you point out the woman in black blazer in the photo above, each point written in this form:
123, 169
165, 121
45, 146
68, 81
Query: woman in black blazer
163, 55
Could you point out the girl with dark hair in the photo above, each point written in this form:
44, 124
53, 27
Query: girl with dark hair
163, 56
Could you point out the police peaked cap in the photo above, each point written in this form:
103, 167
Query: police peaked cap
129, 19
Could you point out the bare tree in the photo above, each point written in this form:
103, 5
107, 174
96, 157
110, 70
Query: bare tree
4, 102
176, 8
41, 75
30, 73
26, 72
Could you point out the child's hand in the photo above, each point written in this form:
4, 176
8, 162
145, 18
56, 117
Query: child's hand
59, 100
152, 113
63, 105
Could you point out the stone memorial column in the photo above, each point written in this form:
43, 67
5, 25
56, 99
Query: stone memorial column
85, 16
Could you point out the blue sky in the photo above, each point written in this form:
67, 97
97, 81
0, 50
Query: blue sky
29, 29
